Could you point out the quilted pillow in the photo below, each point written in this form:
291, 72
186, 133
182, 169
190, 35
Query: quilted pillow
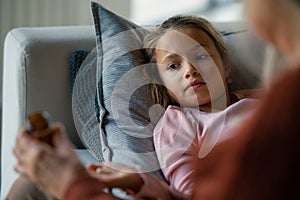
76, 59
127, 116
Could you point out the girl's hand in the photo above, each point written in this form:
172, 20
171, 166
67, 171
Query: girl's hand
116, 175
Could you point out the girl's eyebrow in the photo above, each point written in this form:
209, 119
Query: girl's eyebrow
169, 57
174, 55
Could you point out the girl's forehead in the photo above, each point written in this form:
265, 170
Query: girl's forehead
188, 37
184, 41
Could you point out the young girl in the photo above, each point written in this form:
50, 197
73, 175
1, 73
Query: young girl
192, 76
190, 81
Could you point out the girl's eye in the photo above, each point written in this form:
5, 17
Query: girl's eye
202, 56
173, 66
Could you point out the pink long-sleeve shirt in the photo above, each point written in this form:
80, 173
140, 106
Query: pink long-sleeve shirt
179, 137
184, 134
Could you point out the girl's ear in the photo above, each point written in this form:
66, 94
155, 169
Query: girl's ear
227, 67
228, 80
227, 71
227, 74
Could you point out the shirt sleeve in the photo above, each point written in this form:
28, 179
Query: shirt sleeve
176, 146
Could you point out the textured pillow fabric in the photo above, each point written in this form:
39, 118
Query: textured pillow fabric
81, 58
85, 108
76, 59
126, 117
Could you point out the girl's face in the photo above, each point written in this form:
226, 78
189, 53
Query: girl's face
191, 68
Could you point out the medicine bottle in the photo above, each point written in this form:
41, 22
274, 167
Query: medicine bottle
39, 126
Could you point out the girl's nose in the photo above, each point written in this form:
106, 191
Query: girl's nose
190, 71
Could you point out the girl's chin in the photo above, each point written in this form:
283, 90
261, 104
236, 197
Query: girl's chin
195, 104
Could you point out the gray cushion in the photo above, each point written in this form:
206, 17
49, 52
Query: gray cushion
123, 93
246, 54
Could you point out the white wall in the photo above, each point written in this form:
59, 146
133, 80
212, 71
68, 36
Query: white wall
146, 12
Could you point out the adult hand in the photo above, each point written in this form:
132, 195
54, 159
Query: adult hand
51, 168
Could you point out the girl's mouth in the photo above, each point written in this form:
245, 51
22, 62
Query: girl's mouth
195, 85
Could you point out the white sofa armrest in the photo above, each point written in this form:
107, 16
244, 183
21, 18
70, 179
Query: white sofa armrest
36, 76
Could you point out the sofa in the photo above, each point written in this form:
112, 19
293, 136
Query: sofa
36, 77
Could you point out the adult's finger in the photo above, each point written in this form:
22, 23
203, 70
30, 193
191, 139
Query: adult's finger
20, 150
60, 139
